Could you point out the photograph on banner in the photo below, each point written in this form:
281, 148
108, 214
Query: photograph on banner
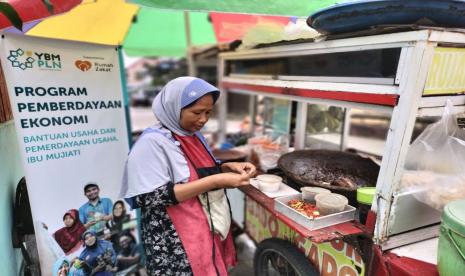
69, 113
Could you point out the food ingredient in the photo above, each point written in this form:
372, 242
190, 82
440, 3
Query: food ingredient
304, 208
434, 189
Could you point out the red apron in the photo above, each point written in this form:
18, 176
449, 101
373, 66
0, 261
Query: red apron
191, 222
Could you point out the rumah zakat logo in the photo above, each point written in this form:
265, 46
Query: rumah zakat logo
83, 65
17, 60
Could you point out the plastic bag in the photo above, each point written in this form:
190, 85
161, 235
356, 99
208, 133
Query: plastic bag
262, 33
269, 151
441, 146
435, 162
434, 189
268, 32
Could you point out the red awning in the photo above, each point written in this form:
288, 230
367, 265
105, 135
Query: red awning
36, 9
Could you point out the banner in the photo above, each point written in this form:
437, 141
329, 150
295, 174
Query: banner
69, 114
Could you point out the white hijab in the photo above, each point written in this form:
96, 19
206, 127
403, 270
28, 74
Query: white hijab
176, 95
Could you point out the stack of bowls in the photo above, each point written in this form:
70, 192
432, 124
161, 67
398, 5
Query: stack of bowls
309, 193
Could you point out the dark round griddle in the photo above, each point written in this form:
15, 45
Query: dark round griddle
340, 172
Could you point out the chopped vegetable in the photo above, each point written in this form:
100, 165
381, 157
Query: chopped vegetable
304, 208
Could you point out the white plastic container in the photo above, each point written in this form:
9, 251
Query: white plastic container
268, 182
309, 193
330, 203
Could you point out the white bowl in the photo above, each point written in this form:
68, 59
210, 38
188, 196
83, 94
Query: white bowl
268, 182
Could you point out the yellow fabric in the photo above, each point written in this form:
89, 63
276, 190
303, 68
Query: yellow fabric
95, 21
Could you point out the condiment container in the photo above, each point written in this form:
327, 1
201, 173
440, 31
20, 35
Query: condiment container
268, 182
330, 203
309, 193
365, 197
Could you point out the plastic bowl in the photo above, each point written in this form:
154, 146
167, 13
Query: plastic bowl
330, 203
309, 193
268, 182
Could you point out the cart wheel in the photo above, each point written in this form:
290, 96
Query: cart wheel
279, 257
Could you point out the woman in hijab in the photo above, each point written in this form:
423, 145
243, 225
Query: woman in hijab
168, 167
69, 237
98, 255
116, 223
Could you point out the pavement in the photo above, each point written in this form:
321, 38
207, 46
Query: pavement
245, 249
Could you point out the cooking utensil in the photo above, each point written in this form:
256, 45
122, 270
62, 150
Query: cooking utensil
340, 172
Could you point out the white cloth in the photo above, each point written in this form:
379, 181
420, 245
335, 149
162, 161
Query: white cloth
219, 211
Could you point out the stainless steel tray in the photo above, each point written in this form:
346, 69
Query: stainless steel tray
280, 205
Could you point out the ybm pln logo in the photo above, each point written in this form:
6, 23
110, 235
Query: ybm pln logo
27, 59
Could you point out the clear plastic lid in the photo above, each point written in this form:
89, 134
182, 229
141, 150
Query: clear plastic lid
332, 199
316, 190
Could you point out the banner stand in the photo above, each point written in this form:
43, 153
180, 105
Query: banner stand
71, 113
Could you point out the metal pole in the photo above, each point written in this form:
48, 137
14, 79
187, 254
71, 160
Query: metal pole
125, 94
222, 103
300, 126
253, 113
345, 129
191, 69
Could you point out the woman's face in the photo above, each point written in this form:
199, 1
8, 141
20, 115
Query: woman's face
89, 240
118, 210
68, 220
194, 117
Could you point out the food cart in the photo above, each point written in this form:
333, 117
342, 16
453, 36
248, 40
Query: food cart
406, 75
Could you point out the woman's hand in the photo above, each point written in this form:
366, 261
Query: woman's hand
231, 180
227, 180
239, 167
